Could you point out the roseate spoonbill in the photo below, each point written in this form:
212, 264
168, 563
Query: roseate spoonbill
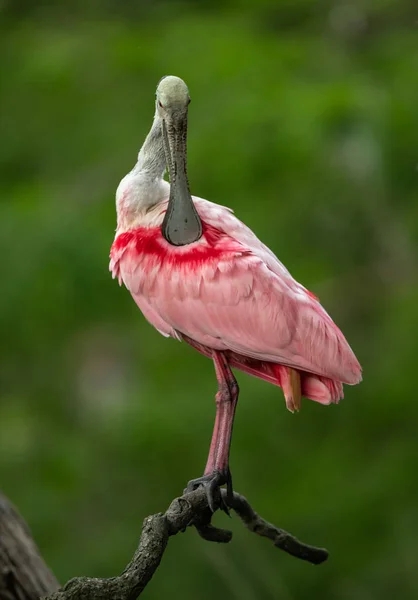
200, 275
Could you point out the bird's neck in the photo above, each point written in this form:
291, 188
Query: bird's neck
151, 158
144, 186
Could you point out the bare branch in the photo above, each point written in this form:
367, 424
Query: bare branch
281, 538
191, 509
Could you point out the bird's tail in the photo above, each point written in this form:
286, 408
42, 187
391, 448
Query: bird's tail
294, 383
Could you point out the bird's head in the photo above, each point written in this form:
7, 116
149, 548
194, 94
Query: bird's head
172, 98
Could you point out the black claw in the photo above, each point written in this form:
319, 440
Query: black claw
223, 506
212, 483
229, 490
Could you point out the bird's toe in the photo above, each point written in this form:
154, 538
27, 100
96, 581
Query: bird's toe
211, 483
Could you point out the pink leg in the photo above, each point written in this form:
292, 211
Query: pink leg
217, 467
226, 402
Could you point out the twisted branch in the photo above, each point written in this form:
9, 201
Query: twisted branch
191, 509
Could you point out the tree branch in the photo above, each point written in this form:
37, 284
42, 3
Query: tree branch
23, 573
191, 509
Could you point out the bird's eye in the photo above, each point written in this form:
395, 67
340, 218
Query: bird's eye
160, 104
189, 100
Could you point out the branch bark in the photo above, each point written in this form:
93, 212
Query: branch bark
188, 510
23, 573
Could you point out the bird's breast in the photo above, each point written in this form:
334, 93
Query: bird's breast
147, 244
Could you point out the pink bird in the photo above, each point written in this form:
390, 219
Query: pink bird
200, 275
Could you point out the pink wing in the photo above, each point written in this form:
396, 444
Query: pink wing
228, 291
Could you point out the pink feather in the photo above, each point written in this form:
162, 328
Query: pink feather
229, 292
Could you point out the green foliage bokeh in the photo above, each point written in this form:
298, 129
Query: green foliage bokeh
304, 121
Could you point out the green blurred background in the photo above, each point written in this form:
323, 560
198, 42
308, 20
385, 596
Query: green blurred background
303, 119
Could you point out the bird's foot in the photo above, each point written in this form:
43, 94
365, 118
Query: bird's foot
212, 482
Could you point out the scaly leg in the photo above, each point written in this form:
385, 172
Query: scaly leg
217, 471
